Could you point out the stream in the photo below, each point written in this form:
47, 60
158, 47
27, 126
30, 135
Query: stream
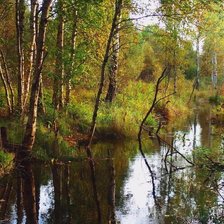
122, 184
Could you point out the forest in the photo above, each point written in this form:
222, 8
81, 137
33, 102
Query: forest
111, 111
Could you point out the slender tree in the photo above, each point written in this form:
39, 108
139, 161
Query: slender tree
72, 53
6, 80
214, 70
58, 94
30, 131
20, 11
32, 53
113, 67
7, 94
118, 6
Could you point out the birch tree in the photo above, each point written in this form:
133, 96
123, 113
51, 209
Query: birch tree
30, 132
72, 52
20, 12
32, 54
113, 66
6, 80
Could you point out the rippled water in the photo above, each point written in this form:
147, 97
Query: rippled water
64, 193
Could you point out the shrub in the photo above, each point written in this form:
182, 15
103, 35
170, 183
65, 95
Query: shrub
216, 99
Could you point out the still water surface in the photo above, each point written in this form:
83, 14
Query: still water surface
64, 193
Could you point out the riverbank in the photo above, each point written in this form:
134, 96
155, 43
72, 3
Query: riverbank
121, 175
68, 129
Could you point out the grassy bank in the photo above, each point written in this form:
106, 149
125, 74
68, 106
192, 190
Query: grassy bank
119, 119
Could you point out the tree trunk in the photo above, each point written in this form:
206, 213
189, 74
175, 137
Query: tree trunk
117, 12
29, 194
32, 55
111, 191
113, 68
197, 82
58, 98
8, 80
214, 70
30, 132
6, 90
72, 56
19, 199
41, 106
57, 183
20, 11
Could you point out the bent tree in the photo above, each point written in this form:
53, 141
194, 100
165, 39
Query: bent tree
118, 7
30, 131
113, 67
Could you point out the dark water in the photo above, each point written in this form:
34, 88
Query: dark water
121, 184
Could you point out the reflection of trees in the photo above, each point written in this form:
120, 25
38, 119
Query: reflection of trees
37, 172
94, 186
176, 192
62, 198
204, 120
19, 199
28, 189
22, 191
66, 192
181, 192
72, 184
5, 196
186, 197
57, 183
111, 190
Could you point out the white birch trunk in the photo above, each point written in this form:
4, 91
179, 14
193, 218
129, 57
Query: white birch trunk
214, 70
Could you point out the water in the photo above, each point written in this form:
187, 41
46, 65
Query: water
122, 184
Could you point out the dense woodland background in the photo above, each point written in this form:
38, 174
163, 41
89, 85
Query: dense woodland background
78, 72
70, 66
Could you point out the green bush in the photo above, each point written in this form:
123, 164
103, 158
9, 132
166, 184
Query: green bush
216, 99
5, 158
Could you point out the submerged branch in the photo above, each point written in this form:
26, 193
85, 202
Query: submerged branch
150, 171
154, 102
172, 147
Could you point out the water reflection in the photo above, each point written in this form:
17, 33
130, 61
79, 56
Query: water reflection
118, 184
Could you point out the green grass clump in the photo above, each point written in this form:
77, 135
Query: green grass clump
5, 158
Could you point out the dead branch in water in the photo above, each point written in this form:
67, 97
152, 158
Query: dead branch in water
172, 147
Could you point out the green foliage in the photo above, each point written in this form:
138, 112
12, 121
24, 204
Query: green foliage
124, 116
216, 99
151, 122
190, 73
81, 113
204, 157
5, 158
47, 143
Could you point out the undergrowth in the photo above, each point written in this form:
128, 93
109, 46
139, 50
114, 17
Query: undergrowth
115, 120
